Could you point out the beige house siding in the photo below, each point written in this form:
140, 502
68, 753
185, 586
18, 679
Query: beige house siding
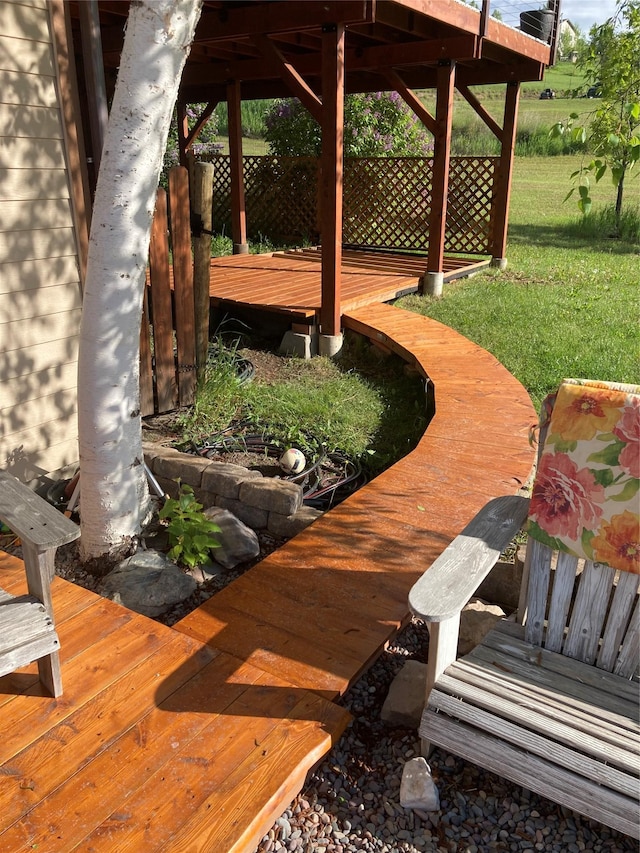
40, 295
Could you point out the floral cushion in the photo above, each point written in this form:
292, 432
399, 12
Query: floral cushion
585, 497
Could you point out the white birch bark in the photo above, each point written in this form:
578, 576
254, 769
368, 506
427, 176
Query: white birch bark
114, 494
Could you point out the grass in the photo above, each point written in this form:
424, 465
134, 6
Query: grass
361, 405
568, 304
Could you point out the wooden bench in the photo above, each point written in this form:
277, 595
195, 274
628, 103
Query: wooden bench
549, 698
27, 628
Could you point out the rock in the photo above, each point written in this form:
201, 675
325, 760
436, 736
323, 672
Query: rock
405, 700
417, 788
238, 543
476, 620
502, 585
148, 583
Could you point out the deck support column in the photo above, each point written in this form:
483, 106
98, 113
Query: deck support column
332, 176
502, 191
238, 209
440, 185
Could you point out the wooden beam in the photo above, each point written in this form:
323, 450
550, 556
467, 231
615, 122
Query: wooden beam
238, 211
202, 119
292, 78
441, 157
333, 70
502, 192
486, 117
412, 100
280, 17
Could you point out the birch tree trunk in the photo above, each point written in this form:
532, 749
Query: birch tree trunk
114, 493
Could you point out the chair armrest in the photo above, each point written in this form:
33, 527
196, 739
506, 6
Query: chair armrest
448, 584
31, 517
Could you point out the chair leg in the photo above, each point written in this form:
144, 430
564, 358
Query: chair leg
49, 672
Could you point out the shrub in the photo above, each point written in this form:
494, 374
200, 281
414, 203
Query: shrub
376, 125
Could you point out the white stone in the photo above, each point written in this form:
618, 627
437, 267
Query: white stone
417, 788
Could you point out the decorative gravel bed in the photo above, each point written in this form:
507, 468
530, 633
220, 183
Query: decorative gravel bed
351, 801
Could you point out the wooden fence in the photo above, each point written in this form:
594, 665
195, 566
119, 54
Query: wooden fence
387, 201
167, 334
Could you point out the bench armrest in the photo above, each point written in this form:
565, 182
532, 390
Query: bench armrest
451, 580
31, 517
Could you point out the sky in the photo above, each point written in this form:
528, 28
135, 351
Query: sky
585, 13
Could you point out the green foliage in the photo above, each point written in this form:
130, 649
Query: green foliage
611, 63
376, 125
207, 143
190, 531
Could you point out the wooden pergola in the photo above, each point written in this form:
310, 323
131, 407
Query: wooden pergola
319, 51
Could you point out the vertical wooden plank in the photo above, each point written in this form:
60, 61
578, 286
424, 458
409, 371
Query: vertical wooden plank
589, 611
183, 283
441, 158
238, 211
202, 200
161, 311
618, 620
627, 663
332, 161
564, 577
146, 370
502, 189
538, 589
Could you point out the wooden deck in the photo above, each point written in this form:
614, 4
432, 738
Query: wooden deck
289, 282
198, 737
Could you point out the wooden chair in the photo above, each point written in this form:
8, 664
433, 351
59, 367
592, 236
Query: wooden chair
27, 629
549, 699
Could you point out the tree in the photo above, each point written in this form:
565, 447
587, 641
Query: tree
611, 65
115, 498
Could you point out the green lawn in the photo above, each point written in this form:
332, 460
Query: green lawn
568, 304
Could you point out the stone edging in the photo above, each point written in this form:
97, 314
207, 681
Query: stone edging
262, 503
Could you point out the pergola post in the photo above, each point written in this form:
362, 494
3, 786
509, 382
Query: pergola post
502, 193
332, 184
238, 210
434, 277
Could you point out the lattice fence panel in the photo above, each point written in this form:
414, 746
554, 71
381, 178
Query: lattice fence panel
387, 201
468, 226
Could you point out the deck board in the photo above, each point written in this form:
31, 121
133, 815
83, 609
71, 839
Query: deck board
153, 730
290, 282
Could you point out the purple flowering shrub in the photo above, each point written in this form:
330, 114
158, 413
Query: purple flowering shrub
375, 125
205, 145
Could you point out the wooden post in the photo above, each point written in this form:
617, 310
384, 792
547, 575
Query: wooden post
183, 283
502, 191
238, 210
440, 182
94, 77
202, 213
332, 164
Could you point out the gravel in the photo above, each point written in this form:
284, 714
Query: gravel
351, 801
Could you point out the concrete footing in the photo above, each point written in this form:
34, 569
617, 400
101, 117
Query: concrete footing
240, 248
299, 344
499, 263
330, 345
433, 283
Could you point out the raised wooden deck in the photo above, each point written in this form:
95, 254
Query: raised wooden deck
198, 737
289, 282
